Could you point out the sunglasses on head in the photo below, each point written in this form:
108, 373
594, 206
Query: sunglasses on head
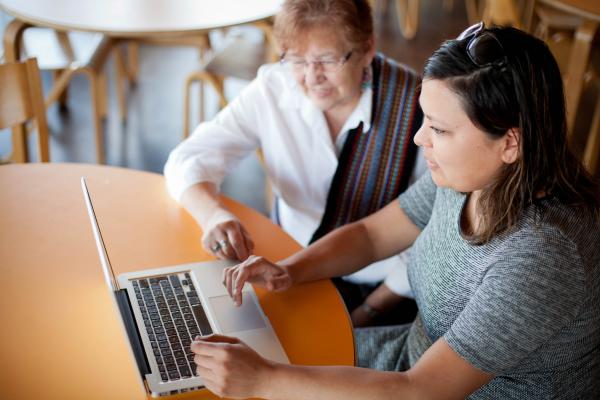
483, 47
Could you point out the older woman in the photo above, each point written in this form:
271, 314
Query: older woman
506, 258
335, 123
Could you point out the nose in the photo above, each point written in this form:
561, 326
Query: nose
422, 138
313, 73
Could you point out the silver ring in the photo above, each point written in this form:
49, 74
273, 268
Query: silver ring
216, 247
223, 243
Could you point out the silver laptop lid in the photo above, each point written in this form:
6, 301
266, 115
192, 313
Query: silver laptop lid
109, 274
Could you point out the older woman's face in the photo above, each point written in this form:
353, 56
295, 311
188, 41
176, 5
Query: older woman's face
459, 155
330, 90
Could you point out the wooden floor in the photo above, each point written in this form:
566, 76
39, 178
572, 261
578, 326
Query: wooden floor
155, 105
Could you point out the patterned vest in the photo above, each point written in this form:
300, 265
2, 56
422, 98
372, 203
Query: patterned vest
375, 166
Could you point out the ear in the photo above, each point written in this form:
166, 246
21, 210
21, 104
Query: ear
512, 146
370, 51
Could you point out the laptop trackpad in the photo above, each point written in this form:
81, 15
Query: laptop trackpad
234, 319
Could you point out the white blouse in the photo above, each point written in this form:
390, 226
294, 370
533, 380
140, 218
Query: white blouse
272, 113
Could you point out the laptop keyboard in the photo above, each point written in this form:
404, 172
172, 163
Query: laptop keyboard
173, 317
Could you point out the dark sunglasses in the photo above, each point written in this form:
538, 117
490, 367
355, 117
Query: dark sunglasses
484, 48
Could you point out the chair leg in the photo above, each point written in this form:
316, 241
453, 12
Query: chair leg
578, 61
121, 74
12, 39
407, 12
592, 147
62, 99
97, 117
60, 85
132, 62
528, 15
201, 99
186, 108
19, 145
201, 76
102, 95
218, 83
269, 37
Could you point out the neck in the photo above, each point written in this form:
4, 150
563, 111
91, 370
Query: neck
337, 117
470, 217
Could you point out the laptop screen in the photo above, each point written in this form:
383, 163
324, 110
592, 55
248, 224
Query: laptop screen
109, 275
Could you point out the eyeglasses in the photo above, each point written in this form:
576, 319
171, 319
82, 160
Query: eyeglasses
484, 48
328, 65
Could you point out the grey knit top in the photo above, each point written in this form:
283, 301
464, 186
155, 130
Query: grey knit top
524, 307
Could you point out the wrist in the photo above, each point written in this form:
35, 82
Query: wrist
270, 379
216, 216
370, 311
287, 267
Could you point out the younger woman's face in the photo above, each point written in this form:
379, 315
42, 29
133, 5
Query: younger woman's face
460, 155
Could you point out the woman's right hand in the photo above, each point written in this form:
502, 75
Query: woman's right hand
256, 270
226, 238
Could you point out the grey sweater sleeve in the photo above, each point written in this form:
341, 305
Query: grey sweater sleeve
417, 201
534, 288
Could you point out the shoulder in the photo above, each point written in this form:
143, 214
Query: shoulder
277, 86
383, 63
273, 77
560, 228
554, 246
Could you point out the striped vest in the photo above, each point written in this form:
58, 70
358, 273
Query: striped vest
375, 166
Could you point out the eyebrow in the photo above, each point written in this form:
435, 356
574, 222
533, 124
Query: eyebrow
324, 54
429, 117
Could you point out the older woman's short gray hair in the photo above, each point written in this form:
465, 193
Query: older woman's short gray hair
351, 18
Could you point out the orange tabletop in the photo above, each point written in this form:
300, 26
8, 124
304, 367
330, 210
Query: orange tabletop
61, 337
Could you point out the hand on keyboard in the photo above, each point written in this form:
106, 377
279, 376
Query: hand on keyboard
256, 270
229, 368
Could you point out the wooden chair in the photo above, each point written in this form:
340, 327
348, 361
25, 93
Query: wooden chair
66, 54
516, 13
21, 100
591, 143
557, 29
240, 59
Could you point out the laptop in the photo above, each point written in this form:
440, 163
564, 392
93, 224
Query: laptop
164, 309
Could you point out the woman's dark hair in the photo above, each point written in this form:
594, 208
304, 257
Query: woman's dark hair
521, 89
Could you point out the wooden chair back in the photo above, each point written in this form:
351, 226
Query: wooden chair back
21, 101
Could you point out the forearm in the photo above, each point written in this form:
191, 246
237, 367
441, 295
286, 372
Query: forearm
348, 249
303, 382
383, 299
202, 201
341, 252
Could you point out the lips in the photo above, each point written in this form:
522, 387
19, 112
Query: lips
430, 163
321, 92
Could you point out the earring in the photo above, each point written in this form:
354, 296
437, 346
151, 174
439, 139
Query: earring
367, 78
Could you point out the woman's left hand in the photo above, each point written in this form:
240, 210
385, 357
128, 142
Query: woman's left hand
229, 368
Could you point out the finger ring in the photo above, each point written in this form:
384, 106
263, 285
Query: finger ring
216, 247
222, 244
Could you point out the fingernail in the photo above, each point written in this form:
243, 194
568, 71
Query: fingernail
197, 338
236, 302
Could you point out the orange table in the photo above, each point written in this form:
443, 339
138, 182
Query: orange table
60, 336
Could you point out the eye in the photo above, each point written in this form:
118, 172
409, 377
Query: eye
437, 131
297, 61
327, 61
